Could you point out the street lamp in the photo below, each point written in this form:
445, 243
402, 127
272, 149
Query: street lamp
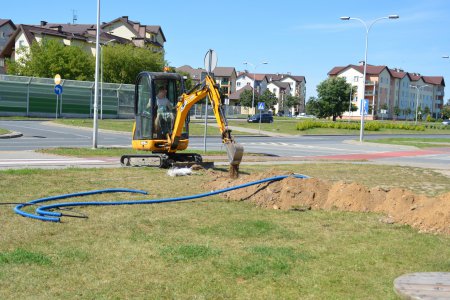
254, 70
101, 75
368, 27
417, 96
97, 58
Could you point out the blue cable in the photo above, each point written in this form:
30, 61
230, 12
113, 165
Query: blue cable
45, 215
18, 208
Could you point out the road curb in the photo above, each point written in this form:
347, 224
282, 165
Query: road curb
11, 135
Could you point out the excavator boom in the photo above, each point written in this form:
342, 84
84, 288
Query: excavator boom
207, 89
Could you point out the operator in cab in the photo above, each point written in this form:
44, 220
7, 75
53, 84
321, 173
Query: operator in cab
164, 114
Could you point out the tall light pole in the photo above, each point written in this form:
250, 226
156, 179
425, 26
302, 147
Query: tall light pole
254, 81
368, 27
97, 58
417, 96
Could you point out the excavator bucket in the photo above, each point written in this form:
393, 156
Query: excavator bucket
234, 152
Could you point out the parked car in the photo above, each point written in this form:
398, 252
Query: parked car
265, 118
305, 116
446, 122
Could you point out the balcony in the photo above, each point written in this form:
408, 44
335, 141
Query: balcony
368, 82
370, 92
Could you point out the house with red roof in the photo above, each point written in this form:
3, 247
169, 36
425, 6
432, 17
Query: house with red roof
281, 85
7, 27
121, 31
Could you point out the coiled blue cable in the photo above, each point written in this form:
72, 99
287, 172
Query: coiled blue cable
44, 214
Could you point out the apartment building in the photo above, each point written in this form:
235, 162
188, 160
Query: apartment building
225, 77
281, 85
395, 91
120, 30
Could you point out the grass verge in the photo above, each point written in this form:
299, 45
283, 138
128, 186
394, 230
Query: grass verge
110, 152
4, 131
416, 142
195, 128
208, 248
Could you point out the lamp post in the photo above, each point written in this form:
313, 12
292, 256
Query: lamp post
97, 58
254, 71
101, 75
417, 96
367, 27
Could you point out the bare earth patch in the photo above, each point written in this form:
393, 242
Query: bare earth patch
427, 214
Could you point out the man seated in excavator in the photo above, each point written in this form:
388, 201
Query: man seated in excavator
164, 133
164, 111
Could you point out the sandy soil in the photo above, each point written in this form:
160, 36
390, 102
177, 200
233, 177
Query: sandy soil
398, 205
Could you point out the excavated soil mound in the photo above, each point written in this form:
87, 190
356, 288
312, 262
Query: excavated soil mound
399, 205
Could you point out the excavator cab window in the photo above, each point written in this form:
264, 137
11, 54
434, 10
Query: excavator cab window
155, 106
143, 109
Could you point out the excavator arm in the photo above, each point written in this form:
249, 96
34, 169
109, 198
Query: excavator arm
207, 89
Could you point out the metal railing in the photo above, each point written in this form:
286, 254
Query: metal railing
33, 96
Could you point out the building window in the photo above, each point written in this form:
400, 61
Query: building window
355, 79
238, 84
2, 62
2, 35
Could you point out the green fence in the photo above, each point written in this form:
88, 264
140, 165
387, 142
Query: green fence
35, 97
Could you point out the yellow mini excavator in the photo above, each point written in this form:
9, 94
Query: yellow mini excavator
162, 121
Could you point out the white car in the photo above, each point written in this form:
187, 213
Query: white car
305, 116
446, 122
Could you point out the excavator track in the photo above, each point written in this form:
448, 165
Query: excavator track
164, 160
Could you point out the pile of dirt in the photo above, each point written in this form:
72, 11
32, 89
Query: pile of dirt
398, 205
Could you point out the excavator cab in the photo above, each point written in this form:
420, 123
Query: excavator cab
154, 121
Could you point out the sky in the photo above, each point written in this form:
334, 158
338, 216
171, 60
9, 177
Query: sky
301, 37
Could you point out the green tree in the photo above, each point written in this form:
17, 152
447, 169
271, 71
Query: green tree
397, 111
49, 57
188, 82
292, 101
407, 112
268, 98
333, 97
312, 106
122, 63
446, 111
246, 98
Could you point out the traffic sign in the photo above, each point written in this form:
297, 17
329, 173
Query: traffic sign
210, 60
57, 79
364, 105
58, 89
261, 105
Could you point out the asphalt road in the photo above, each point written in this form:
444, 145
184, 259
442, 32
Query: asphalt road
39, 134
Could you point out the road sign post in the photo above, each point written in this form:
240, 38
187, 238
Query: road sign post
260, 108
58, 91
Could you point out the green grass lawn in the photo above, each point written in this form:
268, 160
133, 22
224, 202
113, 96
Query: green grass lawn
209, 248
195, 127
3, 131
280, 125
416, 142
110, 152
288, 126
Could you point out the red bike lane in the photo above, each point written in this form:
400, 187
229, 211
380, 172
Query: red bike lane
381, 155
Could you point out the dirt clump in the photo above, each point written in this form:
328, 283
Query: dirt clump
427, 214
